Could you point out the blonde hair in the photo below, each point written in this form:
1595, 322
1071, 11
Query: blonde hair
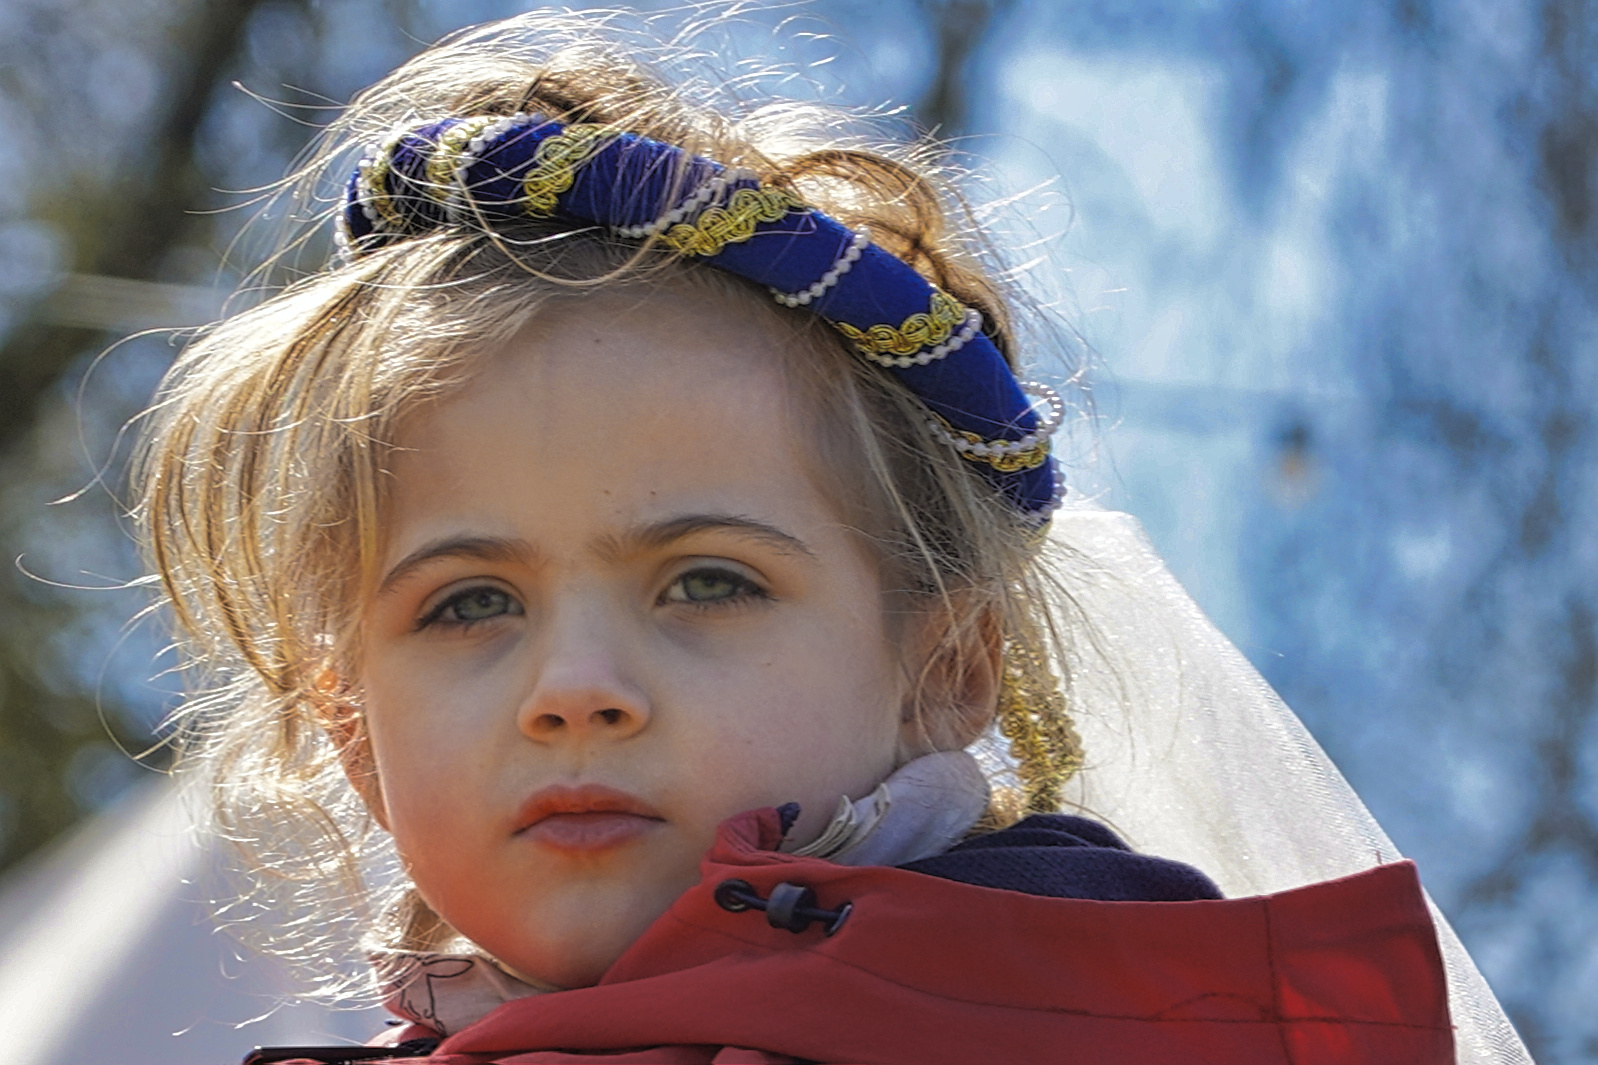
259, 477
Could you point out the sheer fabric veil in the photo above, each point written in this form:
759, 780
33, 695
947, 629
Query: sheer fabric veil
1192, 756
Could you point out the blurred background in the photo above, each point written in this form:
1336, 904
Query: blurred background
1336, 263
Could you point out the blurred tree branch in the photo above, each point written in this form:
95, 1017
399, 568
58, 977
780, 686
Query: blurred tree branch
119, 222
124, 228
960, 27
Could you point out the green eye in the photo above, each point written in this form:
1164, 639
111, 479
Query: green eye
710, 586
476, 604
485, 603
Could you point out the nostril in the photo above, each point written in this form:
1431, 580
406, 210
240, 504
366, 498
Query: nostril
562, 720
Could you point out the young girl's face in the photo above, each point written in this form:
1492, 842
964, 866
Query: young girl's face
615, 610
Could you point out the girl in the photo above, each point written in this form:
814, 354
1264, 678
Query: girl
634, 529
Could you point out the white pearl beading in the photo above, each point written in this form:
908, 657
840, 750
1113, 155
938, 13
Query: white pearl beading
343, 248
1061, 490
840, 266
967, 330
1056, 498
455, 205
1001, 448
364, 192
363, 189
711, 191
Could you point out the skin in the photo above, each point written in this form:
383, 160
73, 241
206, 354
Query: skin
608, 562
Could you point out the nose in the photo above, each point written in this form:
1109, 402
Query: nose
584, 689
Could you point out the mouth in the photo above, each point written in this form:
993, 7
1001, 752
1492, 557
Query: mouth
585, 818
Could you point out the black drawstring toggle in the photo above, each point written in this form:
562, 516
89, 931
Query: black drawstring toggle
792, 907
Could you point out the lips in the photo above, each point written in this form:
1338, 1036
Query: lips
585, 818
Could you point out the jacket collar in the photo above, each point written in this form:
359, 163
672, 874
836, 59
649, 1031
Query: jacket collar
919, 811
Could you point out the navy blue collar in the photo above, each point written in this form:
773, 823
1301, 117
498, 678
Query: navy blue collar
1065, 857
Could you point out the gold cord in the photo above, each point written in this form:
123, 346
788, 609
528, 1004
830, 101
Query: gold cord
555, 165
733, 224
449, 152
1004, 462
1033, 717
916, 332
375, 177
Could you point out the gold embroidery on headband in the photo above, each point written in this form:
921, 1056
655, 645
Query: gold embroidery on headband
997, 453
447, 155
733, 224
374, 176
916, 332
556, 162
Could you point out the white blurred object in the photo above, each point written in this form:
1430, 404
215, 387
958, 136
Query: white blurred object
125, 304
1192, 755
108, 954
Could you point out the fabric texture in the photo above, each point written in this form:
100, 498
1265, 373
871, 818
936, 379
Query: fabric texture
1341, 972
1063, 857
447, 991
922, 809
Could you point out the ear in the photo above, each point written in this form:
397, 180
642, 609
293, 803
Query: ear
345, 724
955, 667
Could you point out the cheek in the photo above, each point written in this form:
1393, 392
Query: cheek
820, 681
808, 725
431, 738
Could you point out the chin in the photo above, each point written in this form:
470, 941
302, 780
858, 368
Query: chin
575, 952
582, 962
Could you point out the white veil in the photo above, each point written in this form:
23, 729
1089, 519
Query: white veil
1192, 756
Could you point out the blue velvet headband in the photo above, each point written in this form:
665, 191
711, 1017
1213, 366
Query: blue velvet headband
489, 168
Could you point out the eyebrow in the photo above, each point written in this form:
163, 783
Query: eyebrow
655, 535
646, 537
483, 548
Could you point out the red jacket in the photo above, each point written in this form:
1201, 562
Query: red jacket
932, 971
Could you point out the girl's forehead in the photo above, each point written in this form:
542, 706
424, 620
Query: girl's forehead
655, 360
617, 408
680, 337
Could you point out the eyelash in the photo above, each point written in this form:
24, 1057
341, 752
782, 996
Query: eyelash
436, 616
744, 591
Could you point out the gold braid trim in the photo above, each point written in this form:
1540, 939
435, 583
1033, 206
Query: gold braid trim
916, 332
555, 165
375, 178
1008, 462
1032, 716
732, 224
447, 154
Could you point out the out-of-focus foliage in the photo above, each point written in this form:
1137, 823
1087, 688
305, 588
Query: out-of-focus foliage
1337, 260
123, 123
98, 101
